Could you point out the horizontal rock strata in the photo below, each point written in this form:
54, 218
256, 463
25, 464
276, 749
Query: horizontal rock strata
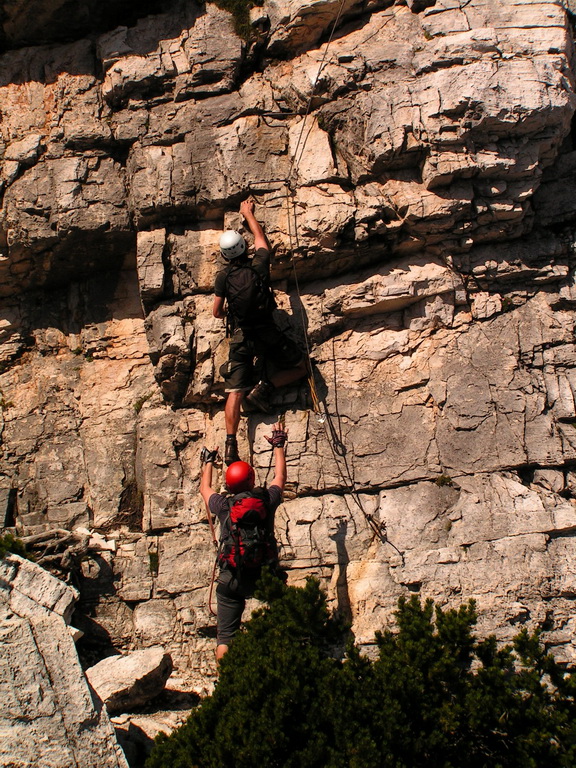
412, 164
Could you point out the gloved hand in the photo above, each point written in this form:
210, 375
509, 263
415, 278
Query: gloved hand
279, 436
207, 456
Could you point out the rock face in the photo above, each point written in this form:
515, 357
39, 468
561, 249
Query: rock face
413, 166
48, 716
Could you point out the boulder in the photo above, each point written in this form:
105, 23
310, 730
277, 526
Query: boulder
125, 682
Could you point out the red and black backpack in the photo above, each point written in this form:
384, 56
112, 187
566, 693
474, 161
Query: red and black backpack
247, 539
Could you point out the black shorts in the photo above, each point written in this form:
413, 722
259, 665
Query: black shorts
267, 343
231, 595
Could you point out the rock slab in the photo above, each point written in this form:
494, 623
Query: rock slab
125, 682
48, 716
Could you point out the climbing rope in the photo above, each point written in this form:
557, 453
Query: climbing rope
324, 419
295, 158
334, 440
217, 548
212, 581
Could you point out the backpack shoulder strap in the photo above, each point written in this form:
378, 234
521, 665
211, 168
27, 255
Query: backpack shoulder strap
247, 265
246, 505
256, 493
235, 265
226, 523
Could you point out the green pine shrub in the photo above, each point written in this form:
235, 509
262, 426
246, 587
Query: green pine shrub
434, 696
9, 543
240, 10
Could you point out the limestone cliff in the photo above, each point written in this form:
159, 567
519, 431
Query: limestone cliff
49, 714
413, 165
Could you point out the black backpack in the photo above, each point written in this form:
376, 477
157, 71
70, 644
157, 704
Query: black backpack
250, 299
247, 541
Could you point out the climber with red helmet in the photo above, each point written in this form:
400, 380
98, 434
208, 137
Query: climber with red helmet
243, 296
247, 542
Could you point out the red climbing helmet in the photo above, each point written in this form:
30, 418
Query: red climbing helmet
239, 477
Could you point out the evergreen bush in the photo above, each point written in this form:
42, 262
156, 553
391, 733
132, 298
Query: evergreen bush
240, 10
435, 696
9, 543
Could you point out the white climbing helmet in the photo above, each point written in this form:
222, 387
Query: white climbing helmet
232, 244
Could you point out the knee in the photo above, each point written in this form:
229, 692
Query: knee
234, 399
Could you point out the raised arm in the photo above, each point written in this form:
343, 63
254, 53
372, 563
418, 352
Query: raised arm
278, 441
279, 468
260, 239
206, 490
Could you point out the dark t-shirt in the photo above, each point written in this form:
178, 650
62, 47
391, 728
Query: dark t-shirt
260, 263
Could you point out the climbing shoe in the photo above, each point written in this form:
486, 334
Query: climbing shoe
231, 451
260, 396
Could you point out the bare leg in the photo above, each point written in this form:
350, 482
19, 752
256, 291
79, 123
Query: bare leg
220, 651
232, 412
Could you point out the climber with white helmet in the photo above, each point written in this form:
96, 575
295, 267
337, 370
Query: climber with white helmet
242, 294
247, 542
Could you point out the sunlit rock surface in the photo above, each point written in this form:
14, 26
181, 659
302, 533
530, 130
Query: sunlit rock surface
414, 172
